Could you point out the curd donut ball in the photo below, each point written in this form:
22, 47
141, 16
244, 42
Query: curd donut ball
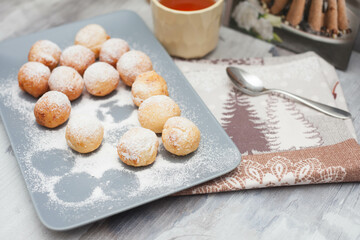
33, 78
138, 147
146, 85
68, 81
101, 79
45, 52
52, 109
84, 133
155, 111
112, 50
131, 64
180, 136
92, 36
77, 57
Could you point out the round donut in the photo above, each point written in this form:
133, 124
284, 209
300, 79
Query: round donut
33, 78
77, 57
68, 81
138, 147
180, 136
52, 109
155, 111
92, 36
112, 50
45, 52
146, 85
101, 79
131, 64
84, 133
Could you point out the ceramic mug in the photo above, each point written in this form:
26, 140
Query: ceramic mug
187, 34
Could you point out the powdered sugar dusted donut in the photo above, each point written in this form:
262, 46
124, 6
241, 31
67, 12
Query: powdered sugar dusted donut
68, 81
146, 85
77, 57
131, 64
33, 78
101, 79
112, 50
155, 111
46, 52
92, 36
84, 133
138, 147
180, 136
52, 109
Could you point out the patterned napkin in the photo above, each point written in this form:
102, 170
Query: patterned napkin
282, 142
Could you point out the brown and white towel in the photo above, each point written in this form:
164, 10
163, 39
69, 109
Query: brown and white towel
282, 142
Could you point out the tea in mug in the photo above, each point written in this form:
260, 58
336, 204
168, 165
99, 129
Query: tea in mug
187, 5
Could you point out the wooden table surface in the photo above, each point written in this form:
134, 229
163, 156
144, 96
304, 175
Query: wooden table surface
330, 211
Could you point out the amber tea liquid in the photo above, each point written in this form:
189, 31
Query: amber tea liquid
187, 5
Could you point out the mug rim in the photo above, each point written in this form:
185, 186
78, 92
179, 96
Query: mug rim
158, 4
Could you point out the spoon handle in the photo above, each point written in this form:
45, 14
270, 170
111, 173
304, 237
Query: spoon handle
332, 111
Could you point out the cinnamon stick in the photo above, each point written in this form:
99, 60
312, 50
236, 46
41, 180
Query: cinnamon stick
322, 19
342, 17
278, 6
315, 15
332, 17
296, 12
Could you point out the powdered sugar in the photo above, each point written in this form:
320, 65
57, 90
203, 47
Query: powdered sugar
156, 110
89, 34
97, 164
65, 78
77, 57
137, 143
46, 46
35, 72
181, 122
180, 135
133, 63
101, 75
112, 50
163, 100
84, 127
56, 98
46, 52
146, 85
141, 88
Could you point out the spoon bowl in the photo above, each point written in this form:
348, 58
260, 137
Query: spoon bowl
244, 79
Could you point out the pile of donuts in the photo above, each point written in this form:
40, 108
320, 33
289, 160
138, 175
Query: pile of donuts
324, 17
57, 77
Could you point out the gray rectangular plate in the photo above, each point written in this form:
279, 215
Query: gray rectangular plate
61, 195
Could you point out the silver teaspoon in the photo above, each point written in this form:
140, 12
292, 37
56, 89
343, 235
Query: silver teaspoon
253, 86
